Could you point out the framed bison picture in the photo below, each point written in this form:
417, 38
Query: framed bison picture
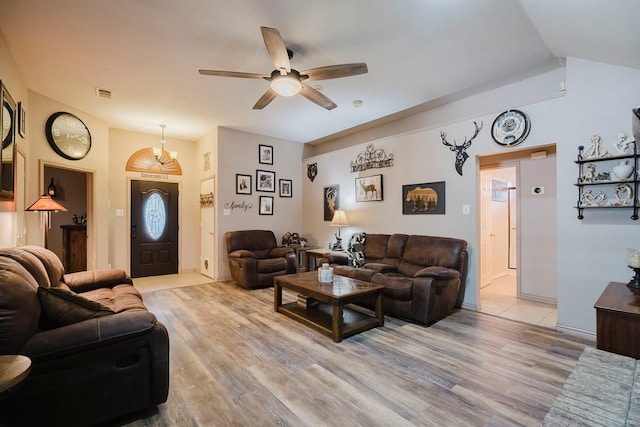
426, 198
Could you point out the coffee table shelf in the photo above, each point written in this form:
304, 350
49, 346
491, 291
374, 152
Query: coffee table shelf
320, 318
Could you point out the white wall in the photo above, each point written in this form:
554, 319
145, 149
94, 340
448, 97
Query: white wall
240, 153
590, 253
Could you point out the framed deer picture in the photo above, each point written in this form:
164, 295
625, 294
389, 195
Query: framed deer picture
369, 188
331, 201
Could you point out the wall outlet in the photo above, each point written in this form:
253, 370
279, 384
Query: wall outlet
536, 191
466, 210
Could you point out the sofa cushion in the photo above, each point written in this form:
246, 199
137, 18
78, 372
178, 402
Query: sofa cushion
119, 298
19, 306
395, 285
376, 247
61, 307
272, 265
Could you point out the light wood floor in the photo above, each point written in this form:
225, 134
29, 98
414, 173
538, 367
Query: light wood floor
235, 362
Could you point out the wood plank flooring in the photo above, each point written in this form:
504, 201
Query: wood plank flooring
235, 362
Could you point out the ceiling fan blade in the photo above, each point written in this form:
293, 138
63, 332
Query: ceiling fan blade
314, 96
265, 99
233, 74
335, 71
276, 48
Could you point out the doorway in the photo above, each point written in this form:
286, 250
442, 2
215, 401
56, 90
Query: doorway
154, 228
68, 235
517, 257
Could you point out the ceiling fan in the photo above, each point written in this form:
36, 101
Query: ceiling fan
286, 81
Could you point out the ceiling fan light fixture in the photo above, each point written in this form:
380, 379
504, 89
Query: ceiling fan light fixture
286, 85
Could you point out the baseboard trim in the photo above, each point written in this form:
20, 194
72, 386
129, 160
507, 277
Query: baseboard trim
570, 330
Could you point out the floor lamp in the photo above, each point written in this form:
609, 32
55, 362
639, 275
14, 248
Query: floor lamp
46, 205
339, 220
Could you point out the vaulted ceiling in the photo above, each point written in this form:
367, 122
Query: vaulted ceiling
148, 53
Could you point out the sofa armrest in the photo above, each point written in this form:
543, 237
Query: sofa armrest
241, 253
340, 258
380, 267
91, 333
280, 251
84, 281
436, 272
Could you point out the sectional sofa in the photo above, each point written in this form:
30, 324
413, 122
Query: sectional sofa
423, 276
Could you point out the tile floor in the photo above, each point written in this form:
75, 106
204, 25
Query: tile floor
499, 299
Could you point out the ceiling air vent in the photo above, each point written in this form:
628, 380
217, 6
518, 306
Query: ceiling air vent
103, 93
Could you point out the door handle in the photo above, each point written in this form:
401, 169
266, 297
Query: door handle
133, 231
492, 235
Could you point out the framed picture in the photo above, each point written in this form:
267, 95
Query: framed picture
265, 154
22, 120
243, 184
285, 188
265, 181
266, 205
427, 198
499, 190
331, 201
369, 188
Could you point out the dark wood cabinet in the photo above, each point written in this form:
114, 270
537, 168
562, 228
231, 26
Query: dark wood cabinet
618, 320
74, 248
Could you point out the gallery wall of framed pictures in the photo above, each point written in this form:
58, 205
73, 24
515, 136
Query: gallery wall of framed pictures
265, 181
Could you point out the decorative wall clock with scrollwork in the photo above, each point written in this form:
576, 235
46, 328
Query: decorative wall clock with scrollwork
510, 128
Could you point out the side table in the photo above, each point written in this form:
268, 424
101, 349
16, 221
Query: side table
300, 250
316, 254
13, 370
618, 321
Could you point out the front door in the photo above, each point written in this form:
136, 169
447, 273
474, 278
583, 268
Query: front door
154, 228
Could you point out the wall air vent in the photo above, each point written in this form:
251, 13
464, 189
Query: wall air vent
103, 93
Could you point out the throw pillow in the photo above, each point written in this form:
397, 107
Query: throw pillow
356, 249
61, 307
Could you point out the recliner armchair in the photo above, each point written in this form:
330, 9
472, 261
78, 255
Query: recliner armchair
255, 258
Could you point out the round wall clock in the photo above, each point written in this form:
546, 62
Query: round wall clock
510, 128
68, 135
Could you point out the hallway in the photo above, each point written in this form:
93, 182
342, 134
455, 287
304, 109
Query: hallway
499, 299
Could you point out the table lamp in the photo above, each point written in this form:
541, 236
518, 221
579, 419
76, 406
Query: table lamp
339, 220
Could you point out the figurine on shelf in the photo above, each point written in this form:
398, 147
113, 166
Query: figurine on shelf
589, 174
624, 194
596, 149
589, 199
623, 143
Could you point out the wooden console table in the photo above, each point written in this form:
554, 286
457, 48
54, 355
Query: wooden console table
618, 320
74, 248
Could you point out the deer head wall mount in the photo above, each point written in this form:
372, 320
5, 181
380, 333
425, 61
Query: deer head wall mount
461, 150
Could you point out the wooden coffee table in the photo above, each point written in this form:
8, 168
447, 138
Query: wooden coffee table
330, 316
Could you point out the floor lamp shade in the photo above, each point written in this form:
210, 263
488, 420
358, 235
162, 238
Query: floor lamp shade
46, 204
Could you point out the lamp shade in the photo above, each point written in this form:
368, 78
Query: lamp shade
339, 219
47, 204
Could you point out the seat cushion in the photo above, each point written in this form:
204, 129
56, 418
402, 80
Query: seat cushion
396, 286
120, 298
271, 265
61, 307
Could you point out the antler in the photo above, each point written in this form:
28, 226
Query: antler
465, 143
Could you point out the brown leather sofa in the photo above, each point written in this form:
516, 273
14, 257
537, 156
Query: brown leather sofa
96, 352
423, 276
255, 258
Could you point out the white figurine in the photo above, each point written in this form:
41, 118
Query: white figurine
623, 142
589, 199
596, 149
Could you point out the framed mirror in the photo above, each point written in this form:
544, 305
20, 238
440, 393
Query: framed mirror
8, 152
